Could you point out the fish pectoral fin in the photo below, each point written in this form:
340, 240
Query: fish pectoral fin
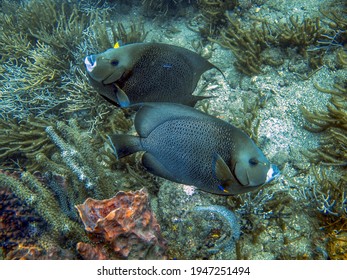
156, 168
122, 98
221, 170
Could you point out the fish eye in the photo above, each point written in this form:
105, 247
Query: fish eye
114, 62
253, 161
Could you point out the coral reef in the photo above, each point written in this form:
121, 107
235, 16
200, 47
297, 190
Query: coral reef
246, 45
299, 34
125, 224
36, 41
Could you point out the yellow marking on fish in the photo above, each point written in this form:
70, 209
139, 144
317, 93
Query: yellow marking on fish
116, 45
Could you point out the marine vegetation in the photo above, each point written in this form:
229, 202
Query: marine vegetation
164, 7
21, 142
249, 44
329, 191
59, 229
212, 16
104, 34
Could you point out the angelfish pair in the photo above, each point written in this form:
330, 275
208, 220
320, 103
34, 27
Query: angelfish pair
181, 144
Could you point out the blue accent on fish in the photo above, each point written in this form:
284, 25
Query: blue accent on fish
167, 65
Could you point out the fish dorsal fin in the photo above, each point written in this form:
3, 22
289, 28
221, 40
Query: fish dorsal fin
158, 113
221, 170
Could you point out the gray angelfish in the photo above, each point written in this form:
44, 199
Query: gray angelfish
187, 146
147, 72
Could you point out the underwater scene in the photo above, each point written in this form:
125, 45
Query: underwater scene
173, 129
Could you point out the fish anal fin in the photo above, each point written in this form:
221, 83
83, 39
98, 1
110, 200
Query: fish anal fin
156, 168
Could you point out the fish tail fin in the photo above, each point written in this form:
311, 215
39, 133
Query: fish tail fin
124, 145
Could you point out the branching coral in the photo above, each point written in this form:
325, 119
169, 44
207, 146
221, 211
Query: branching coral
21, 142
337, 35
36, 195
53, 22
213, 16
80, 160
33, 66
334, 144
104, 34
163, 6
299, 34
329, 192
28, 83
248, 44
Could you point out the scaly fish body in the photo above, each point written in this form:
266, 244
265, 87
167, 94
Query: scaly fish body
189, 147
147, 72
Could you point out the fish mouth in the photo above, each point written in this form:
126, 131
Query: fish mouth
90, 62
272, 173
